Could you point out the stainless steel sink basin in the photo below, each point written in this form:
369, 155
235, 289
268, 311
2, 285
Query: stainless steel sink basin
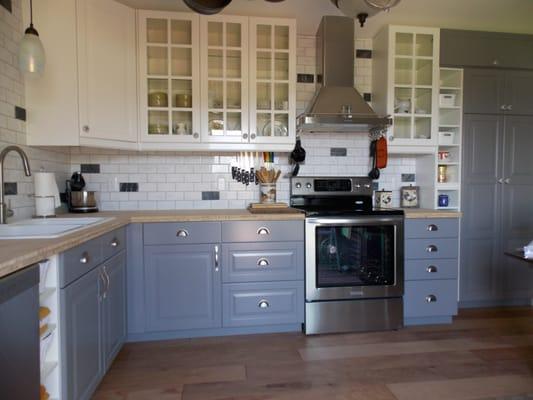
47, 228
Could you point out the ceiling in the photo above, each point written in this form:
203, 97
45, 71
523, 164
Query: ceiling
489, 15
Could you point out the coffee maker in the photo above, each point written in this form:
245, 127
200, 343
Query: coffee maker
79, 200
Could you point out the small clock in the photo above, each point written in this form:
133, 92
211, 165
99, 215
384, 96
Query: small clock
409, 196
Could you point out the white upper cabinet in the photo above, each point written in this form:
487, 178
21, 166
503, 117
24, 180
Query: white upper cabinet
169, 98
107, 72
272, 80
224, 67
405, 84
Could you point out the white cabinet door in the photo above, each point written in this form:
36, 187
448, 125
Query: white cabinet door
52, 99
169, 95
107, 72
272, 80
224, 64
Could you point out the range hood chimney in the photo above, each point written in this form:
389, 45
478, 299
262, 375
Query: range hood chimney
337, 106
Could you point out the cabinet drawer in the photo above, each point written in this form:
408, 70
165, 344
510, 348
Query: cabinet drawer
431, 269
181, 233
430, 228
248, 304
262, 231
113, 243
248, 262
431, 248
79, 260
430, 298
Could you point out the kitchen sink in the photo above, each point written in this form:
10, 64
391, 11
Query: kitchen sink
47, 228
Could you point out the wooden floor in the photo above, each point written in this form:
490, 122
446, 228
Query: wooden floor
485, 354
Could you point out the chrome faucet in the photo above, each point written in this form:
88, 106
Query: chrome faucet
4, 212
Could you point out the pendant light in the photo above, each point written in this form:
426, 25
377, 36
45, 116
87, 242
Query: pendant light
31, 50
384, 5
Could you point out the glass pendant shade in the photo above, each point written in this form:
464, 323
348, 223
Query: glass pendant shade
382, 4
31, 53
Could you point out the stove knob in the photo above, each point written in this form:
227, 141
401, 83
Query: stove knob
367, 185
308, 185
298, 185
358, 186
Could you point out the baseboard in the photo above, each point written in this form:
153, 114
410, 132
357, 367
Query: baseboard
495, 303
427, 320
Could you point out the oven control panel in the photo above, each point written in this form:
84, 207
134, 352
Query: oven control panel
331, 186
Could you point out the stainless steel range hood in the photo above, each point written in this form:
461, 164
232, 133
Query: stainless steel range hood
337, 106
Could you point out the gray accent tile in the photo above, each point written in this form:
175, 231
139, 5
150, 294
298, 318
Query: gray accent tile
338, 152
10, 188
305, 78
129, 187
375, 186
20, 113
211, 195
363, 53
90, 168
367, 97
408, 178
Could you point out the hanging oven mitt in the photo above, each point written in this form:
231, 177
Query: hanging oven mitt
381, 153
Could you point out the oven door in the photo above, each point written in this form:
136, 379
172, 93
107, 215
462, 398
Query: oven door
353, 258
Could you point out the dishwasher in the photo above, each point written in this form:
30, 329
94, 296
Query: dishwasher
19, 335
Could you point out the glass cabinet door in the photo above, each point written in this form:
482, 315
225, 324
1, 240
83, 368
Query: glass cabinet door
272, 81
224, 78
414, 86
169, 77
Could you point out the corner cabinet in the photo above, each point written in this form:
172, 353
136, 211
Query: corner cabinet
406, 82
216, 82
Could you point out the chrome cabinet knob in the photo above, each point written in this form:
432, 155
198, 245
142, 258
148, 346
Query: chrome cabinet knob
431, 269
263, 231
84, 258
431, 298
114, 243
509, 107
503, 107
500, 180
252, 136
182, 233
507, 181
263, 304
196, 135
263, 262
432, 248
245, 136
432, 228
86, 128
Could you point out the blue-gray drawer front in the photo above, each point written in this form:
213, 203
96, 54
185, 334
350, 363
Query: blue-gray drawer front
249, 262
432, 228
181, 233
443, 294
283, 303
441, 248
79, 260
262, 231
113, 243
431, 269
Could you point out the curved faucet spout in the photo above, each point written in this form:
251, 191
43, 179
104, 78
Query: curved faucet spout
27, 172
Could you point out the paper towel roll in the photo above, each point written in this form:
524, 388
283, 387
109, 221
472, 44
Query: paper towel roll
46, 185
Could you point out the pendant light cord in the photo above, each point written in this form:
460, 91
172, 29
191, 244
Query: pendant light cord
31, 13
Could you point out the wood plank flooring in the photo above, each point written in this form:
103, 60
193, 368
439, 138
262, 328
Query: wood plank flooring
486, 354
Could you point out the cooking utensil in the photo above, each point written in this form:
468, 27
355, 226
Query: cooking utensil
207, 7
297, 156
374, 172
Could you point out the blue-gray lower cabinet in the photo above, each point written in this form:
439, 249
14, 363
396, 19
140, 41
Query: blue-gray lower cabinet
431, 270
81, 329
182, 287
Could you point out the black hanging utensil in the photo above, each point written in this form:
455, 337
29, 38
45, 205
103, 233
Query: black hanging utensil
374, 172
297, 156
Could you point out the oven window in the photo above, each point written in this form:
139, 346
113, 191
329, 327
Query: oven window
354, 255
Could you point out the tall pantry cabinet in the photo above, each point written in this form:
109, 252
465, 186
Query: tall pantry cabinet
497, 185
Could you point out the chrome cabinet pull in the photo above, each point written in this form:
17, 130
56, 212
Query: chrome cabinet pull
84, 258
182, 233
503, 107
431, 298
114, 243
263, 304
263, 262
263, 231
433, 228
216, 259
431, 269
432, 248
509, 107
507, 181
102, 292
107, 280
500, 180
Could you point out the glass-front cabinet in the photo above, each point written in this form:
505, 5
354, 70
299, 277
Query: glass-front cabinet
224, 66
169, 77
272, 80
406, 76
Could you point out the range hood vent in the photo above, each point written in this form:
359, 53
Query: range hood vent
337, 106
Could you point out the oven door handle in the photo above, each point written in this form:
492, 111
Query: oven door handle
362, 220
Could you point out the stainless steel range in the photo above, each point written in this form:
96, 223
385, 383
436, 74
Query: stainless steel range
353, 256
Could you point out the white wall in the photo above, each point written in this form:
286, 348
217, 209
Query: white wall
12, 130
